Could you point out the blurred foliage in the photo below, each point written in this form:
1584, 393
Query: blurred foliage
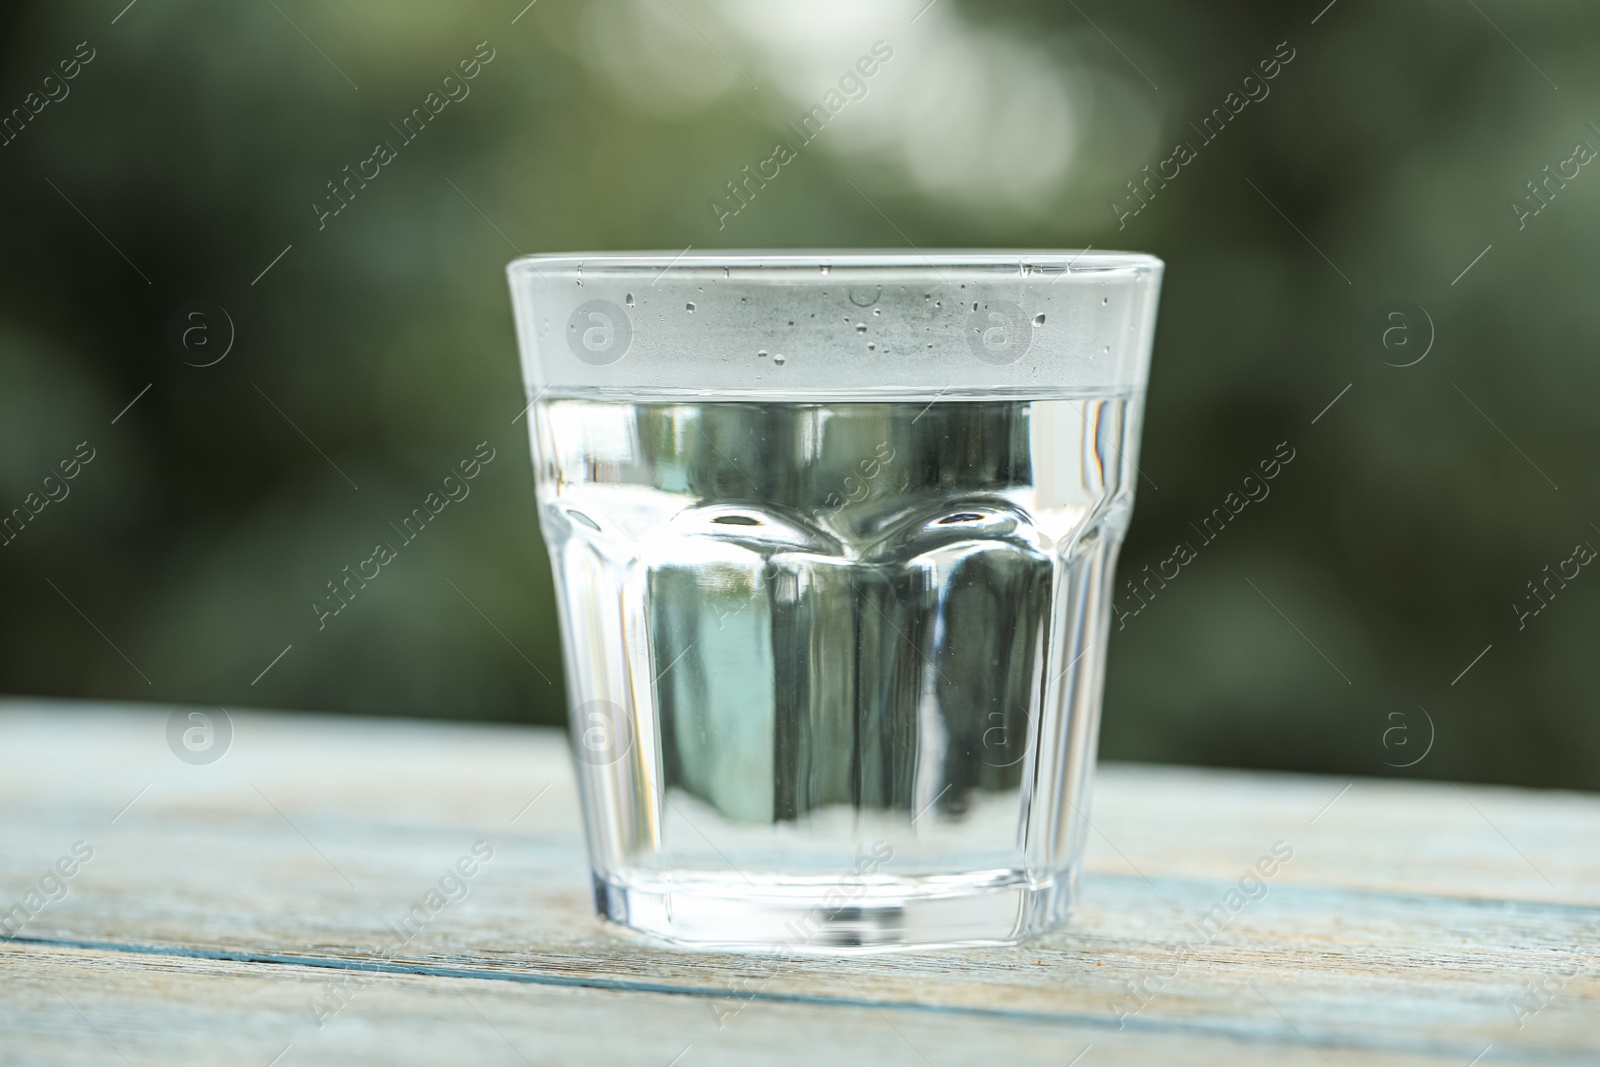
378, 351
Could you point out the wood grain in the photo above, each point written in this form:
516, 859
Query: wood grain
232, 904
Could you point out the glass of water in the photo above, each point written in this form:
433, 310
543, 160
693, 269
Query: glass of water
833, 536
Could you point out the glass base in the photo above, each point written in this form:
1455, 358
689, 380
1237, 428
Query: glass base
730, 911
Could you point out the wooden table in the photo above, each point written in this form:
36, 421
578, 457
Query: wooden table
238, 913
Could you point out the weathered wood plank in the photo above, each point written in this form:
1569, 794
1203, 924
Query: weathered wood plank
74, 1007
1407, 922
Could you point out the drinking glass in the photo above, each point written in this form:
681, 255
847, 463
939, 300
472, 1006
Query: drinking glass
833, 536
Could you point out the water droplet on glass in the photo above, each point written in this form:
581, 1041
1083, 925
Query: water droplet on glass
689, 307
1038, 320
871, 347
791, 322
974, 305
1108, 350
824, 268
938, 303
877, 311
630, 299
778, 359
861, 327
761, 352
1105, 300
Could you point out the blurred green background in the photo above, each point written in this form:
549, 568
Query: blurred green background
194, 145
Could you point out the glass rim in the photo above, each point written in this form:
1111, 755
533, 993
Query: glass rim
1047, 260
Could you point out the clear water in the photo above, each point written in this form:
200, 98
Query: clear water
799, 634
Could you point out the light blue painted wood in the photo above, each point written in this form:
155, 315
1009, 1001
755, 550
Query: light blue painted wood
228, 909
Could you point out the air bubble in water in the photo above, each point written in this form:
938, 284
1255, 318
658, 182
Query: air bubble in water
1038, 320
